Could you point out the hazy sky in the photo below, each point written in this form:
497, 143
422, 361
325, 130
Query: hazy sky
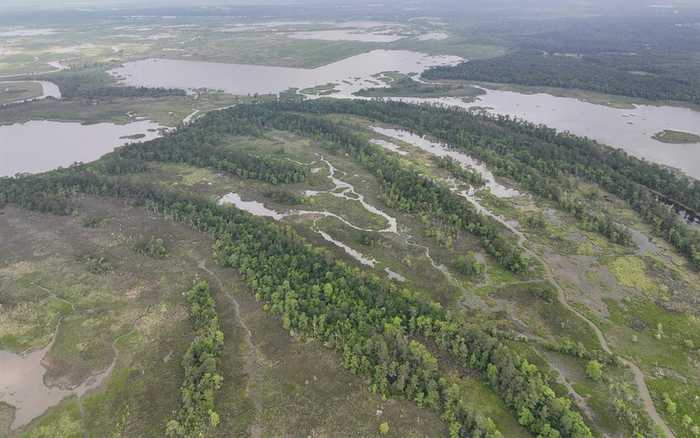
592, 5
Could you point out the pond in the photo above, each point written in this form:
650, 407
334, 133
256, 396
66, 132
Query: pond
351, 74
22, 384
38, 146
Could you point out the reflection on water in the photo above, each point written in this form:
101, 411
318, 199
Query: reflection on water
352, 73
38, 146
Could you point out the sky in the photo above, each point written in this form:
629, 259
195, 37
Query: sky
458, 4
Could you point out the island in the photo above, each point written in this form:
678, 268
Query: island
676, 137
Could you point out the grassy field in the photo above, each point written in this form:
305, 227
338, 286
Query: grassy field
17, 91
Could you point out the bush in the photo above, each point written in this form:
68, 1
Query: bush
468, 265
153, 247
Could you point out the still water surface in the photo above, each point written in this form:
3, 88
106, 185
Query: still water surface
351, 74
38, 146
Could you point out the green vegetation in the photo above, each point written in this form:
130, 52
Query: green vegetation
534, 68
467, 176
676, 137
321, 90
384, 428
469, 266
206, 148
97, 265
153, 247
198, 415
405, 188
408, 87
17, 91
311, 293
631, 272
594, 370
539, 158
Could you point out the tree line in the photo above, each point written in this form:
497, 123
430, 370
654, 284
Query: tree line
197, 413
207, 147
585, 72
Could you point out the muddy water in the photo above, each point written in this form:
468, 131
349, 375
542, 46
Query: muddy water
442, 150
22, 385
352, 74
38, 146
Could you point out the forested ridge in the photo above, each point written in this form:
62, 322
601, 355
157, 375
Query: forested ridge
544, 161
379, 329
203, 147
197, 414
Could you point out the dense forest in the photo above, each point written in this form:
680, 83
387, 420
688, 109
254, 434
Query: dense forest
600, 73
653, 58
211, 152
95, 84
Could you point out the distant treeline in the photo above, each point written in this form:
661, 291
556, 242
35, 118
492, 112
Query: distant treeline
95, 84
610, 74
654, 57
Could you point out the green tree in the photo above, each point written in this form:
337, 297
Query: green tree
594, 370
